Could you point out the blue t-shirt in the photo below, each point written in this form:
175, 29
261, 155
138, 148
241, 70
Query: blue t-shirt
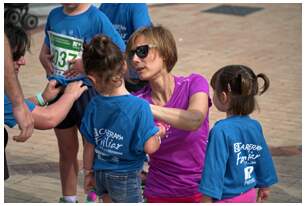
83, 26
9, 118
118, 127
237, 159
127, 17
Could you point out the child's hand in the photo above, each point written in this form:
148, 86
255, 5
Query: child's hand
75, 89
162, 129
51, 91
263, 194
89, 182
76, 67
206, 199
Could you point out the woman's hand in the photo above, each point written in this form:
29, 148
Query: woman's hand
75, 89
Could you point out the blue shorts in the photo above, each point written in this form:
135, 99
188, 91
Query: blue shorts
121, 187
75, 115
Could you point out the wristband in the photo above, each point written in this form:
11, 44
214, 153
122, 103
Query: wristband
40, 99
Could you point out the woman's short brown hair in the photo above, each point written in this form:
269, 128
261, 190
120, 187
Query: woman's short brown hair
162, 38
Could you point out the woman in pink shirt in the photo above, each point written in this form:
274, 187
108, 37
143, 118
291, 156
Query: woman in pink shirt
181, 104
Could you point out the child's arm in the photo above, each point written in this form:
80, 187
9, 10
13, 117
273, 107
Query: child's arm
206, 199
153, 143
46, 59
88, 156
263, 194
50, 92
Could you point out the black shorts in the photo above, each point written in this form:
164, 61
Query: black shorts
75, 115
6, 172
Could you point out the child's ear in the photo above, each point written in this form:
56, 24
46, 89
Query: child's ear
224, 97
92, 78
115, 78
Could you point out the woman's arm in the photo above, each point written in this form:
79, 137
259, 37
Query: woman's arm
50, 116
190, 119
13, 90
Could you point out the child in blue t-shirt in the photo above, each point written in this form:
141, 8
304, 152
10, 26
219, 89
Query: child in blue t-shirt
237, 158
118, 127
67, 28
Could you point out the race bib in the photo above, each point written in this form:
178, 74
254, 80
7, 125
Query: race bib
64, 48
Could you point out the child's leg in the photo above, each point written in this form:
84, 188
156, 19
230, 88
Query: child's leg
124, 187
100, 188
68, 148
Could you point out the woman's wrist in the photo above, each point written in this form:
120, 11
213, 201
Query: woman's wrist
41, 100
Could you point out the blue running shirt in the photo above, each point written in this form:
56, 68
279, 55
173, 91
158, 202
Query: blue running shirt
118, 127
237, 159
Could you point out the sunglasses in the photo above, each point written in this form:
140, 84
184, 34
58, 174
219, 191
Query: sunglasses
141, 51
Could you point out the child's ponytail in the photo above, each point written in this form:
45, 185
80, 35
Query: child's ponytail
240, 83
266, 83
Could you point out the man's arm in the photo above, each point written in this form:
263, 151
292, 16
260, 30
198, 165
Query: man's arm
13, 90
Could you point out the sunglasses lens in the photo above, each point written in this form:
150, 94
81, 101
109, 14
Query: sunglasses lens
142, 51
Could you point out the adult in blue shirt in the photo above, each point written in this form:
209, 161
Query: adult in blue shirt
45, 117
127, 18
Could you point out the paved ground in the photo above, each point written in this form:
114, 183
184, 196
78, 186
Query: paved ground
268, 41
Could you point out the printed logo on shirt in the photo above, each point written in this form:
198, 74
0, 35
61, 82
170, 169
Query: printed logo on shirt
251, 151
121, 30
247, 155
108, 143
248, 178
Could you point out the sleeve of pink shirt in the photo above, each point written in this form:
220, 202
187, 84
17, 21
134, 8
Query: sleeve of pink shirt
199, 84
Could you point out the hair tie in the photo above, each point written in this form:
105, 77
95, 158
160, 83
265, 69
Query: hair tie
229, 87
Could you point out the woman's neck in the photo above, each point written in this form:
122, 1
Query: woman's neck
162, 89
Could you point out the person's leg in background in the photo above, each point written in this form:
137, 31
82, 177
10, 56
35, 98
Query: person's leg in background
6, 172
68, 145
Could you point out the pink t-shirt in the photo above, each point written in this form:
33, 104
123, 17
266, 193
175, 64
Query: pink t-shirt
176, 168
